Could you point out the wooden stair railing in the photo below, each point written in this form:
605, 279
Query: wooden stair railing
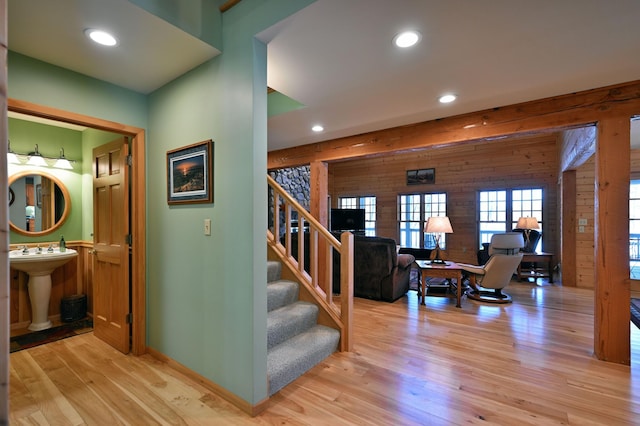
322, 245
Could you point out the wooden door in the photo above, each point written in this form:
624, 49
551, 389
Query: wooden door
111, 282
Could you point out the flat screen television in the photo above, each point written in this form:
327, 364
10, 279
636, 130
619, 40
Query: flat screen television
347, 220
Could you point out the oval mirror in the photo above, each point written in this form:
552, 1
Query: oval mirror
40, 205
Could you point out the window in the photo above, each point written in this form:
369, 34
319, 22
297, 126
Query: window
413, 212
369, 206
499, 211
634, 229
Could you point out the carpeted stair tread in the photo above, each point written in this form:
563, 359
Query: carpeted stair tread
288, 321
274, 269
292, 358
281, 293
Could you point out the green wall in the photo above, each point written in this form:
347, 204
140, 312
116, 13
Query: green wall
200, 18
23, 136
78, 145
45, 84
206, 296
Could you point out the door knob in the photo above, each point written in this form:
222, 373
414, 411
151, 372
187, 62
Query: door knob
93, 251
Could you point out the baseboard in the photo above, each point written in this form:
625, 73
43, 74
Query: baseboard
252, 410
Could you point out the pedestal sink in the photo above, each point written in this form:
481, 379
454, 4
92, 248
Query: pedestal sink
39, 265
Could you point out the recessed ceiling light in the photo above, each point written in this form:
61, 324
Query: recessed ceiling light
101, 37
317, 128
407, 38
445, 99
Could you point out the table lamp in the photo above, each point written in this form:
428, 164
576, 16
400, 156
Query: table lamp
438, 225
527, 224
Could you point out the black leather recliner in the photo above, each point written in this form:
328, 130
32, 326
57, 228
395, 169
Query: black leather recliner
379, 272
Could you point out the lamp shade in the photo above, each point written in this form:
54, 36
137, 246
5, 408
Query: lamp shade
528, 223
62, 162
11, 156
35, 158
438, 224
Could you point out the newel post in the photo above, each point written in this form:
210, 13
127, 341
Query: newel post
346, 290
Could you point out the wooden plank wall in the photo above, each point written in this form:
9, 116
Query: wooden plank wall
585, 187
75, 277
460, 171
585, 193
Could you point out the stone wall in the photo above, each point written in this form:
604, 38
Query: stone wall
296, 181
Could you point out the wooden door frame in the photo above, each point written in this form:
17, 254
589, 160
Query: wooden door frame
137, 206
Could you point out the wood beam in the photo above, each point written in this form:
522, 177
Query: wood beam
555, 113
319, 188
611, 238
319, 194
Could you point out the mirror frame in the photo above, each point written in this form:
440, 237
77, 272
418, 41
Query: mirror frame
67, 203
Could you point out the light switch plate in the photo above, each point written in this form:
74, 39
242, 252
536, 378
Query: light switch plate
207, 227
582, 221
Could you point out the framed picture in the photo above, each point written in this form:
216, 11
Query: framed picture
421, 176
190, 174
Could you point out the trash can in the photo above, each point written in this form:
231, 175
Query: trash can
73, 308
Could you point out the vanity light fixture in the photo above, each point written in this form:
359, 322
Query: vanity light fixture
101, 37
448, 98
62, 162
317, 128
35, 158
11, 156
407, 38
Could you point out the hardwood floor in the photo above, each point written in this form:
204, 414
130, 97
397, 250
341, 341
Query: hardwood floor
529, 362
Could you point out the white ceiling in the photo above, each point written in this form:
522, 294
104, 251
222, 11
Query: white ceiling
336, 56
151, 52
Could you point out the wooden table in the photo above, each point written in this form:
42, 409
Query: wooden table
546, 259
450, 271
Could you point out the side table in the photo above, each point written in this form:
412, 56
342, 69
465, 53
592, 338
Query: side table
542, 266
451, 271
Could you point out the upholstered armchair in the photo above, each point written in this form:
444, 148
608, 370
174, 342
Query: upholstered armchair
415, 278
379, 272
487, 281
534, 237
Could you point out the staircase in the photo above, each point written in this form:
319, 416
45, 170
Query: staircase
295, 340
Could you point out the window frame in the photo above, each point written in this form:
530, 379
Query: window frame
634, 225
407, 234
532, 207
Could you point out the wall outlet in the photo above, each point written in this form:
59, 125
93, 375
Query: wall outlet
207, 227
580, 228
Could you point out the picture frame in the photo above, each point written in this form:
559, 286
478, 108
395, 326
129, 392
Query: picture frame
190, 174
421, 176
